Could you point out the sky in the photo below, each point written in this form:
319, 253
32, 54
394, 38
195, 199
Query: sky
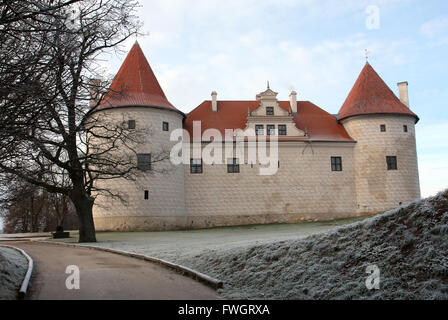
314, 47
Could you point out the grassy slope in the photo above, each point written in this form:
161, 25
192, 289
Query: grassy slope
408, 244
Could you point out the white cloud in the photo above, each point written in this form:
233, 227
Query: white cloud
435, 27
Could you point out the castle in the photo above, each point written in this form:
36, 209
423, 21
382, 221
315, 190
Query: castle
362, 161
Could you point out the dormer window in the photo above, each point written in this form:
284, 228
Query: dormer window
259, 130
271, 130
269, 111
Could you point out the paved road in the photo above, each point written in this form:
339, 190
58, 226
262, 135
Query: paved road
107, 276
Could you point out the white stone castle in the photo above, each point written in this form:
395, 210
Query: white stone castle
362, 161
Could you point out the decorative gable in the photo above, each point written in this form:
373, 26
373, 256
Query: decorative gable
268, 105
271, 119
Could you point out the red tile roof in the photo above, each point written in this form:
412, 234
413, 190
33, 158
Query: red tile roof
136, 85
371, 95
320, 125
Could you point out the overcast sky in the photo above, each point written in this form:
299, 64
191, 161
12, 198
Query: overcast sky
314, 47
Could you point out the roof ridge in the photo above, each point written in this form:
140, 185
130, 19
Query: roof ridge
321, 125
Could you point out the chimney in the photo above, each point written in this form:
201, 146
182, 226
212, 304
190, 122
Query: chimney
214, 101
293, 101
95, 86
403, 91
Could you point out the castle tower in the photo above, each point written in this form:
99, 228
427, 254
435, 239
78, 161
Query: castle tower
156, 200
386, 170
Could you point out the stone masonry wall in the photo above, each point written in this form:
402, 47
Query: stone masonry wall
377, 188
304, 189
166, 189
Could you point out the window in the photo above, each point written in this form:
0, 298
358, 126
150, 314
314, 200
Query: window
392, 163
259, 130
146, 195
336, 164
269, 111
282, 130
131, 124
405, 128
233, 166
144, 162
271, 130
196, 166
383, 128
166, 126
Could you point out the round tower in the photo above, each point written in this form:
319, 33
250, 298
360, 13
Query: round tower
156, 199
386, 169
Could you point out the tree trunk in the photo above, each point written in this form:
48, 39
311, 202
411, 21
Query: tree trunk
84, 205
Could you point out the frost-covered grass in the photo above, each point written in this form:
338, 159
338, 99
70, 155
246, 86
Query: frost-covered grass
175, 246
408, 244
13, 267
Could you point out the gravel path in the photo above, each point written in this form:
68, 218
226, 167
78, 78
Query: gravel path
106, 276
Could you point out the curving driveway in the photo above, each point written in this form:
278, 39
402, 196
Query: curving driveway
107, 276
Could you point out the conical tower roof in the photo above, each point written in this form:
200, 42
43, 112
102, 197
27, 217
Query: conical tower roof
136, 85
371, 95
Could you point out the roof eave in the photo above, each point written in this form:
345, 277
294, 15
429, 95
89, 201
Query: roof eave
139, 106
417, 119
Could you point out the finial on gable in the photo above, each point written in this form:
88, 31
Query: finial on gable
268, 94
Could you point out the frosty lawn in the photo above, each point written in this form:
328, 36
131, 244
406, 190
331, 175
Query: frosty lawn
13, 267
175, 246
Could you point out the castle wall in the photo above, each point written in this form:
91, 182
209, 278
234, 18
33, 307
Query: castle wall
377, 188
165, 182
304, 189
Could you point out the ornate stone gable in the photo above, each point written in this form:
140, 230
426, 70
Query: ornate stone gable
272, 118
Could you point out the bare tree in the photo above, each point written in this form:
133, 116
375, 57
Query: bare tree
46, 122
27, 208
21, 10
